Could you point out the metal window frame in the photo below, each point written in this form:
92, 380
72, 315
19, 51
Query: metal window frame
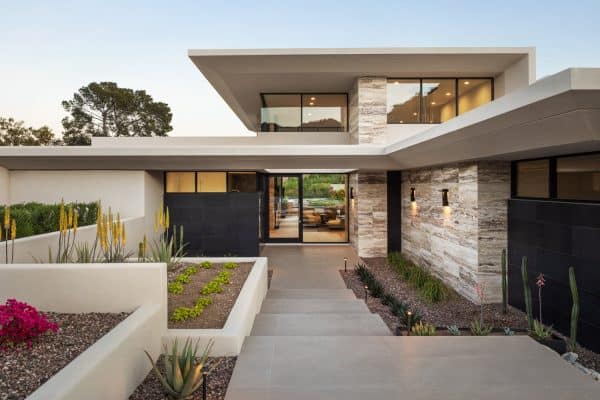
421, 79
552, 179
345, 129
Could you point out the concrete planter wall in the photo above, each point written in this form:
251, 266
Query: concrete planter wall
229, 339
115, 365
35, 248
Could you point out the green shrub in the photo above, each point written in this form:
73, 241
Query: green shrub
216, 284
185, 313
434, 291
421, 329
230, 265
212, 287
175, 287
37, 218
430, 287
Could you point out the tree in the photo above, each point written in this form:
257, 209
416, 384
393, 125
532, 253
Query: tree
15, 133
104, 109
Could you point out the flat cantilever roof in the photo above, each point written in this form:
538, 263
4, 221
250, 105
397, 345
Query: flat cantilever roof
240, 75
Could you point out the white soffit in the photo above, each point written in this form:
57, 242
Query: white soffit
239, 76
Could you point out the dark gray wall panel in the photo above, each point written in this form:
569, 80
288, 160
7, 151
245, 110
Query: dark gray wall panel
554, 236
217, 224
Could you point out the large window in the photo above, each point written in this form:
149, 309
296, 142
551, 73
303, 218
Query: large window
297, 112
574, 178
578, 178
433, 101
533, 178
403, 101
209, 182
180, 182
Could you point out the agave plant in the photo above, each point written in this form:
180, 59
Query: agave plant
183, 370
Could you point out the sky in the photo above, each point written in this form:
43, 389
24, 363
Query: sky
49, 49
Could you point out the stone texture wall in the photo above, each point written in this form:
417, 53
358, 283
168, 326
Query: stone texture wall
368, 212
460, 243
367, 114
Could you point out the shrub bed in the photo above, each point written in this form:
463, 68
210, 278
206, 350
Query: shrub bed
431, 288
37, 218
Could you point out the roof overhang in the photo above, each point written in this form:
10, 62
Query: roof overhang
239, 76
556, 115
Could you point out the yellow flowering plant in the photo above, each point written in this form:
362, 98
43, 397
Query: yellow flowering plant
169, 247
10, 233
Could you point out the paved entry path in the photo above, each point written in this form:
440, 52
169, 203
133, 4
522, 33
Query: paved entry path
313, 339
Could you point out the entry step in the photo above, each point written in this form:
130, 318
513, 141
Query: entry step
283, 306
343, 294
350, 324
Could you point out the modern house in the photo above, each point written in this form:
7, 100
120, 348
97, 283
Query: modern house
446, 154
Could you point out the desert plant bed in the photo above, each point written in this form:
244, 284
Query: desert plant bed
201, 295
454, 310
217, 382
23, 368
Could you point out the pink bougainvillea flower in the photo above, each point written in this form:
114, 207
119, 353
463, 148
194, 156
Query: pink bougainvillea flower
21, 322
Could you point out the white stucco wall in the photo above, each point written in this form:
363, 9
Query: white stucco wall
115, 365
35, 248
4, 185
123, 191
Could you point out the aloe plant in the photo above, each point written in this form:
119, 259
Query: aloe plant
183, 370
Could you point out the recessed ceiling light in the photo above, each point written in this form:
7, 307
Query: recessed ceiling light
401, 122
433, 103
309, 114
467, 82
396, 83
313, 98
414, 113
311, 104
448, 94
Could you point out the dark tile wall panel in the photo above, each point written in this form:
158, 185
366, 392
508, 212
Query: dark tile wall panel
394, 206
554, 236
217, 224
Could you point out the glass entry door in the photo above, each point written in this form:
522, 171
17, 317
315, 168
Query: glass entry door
284, 208
308, 208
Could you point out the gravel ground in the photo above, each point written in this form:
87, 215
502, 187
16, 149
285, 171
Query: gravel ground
218, 380
455, 311
216, 314
23, 369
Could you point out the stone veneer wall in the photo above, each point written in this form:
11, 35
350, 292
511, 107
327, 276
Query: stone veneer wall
368, 213
367, 110
461, 243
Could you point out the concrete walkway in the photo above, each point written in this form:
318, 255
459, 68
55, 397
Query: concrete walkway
313, 339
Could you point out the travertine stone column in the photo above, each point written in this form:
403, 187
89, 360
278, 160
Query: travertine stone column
368, 211
367, 114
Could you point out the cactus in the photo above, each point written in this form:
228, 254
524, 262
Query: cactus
574, 309
526, 293
503, 267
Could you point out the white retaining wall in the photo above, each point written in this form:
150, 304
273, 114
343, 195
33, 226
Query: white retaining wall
115, 365
229, 339
35, 248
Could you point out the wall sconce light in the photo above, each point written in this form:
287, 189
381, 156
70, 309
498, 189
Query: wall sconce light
445, 198
352, 192
412, 195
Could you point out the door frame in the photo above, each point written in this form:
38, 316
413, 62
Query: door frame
300, 239
268, 237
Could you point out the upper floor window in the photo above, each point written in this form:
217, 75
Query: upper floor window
298, 112
433, 101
